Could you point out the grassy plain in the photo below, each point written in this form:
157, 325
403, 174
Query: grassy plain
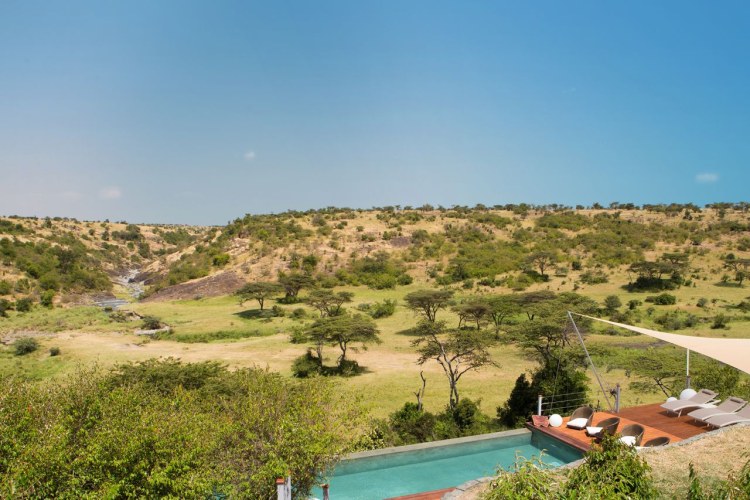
86, 335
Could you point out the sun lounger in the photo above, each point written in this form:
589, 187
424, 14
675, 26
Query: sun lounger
730, 418
581, 418
730, 405
702, 399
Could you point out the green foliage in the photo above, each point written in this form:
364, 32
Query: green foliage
25, 345
151, 323
610, 470
23, 304
54, 351
428, 302
5, 287
220, 260
720, 322
412, 425
526, 480
612, 303
260, 291
138, 434
383, 309
521, 404
307, 365
484, 259
663, 299
5, 305
378, 272
47, 298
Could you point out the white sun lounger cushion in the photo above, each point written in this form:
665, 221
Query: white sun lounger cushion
628, 440
593, 431
578, 423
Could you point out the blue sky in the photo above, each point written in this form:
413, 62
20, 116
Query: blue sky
200, 112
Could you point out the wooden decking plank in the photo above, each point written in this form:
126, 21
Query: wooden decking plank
428, 495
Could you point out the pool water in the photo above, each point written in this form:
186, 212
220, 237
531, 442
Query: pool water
403, 473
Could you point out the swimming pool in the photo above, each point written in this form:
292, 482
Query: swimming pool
444, 464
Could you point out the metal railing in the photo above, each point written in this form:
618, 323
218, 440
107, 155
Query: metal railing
566, 403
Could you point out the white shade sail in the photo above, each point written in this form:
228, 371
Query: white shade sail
732, 352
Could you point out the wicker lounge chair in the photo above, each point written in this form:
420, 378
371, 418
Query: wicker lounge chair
607, 426
632, 434
730, 418
660, 441
730, 405
702, 399
581, 418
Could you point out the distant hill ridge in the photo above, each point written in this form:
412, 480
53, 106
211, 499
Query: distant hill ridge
509, 246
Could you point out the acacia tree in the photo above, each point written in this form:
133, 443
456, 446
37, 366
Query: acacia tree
428, 302
457, 352
259, 291
740, 267
342, 331
501, 307
327, 302
542, 259
476, 311
293, 283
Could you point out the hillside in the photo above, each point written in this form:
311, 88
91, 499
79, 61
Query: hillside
678, 267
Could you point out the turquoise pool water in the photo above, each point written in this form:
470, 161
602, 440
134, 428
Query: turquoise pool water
407, 472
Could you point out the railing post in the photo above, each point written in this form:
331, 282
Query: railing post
325, 491
617, 398
280, 488
539, 405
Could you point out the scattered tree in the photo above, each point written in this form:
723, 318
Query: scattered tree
457, 352
259, 291
428, 302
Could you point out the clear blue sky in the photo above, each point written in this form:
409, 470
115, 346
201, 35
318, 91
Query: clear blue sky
200, 112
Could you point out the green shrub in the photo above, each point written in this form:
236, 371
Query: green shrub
54, 351
526, 480
47, 298
720, 322
412, 425
23, 304
663, 299
25, 345
5, 287
5, 305
382, 309
611, 470
306, 365
594, 277
299, 313
151, 323
137, 434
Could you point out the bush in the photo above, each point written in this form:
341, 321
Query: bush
23, 304
663, 299
720, 322
5, 305
151, 323
306, 365
25, 345
5, 287
54, 351
594, 277
412, 425
278, 311
135, 434
526, 480
299, 313
611, 470
382, 309
47, 298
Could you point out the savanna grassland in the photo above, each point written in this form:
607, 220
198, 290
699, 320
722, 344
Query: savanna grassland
189, 275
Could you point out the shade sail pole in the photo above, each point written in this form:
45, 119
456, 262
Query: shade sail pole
687, 370
588, 356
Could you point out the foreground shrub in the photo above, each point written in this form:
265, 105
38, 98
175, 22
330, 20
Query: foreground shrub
25, 345
611, 470
527, 479
155, 429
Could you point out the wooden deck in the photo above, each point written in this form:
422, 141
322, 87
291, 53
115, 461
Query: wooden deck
655, 420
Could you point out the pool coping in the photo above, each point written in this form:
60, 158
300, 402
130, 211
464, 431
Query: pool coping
434, 444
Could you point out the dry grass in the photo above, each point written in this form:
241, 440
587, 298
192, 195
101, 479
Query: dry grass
714, 457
